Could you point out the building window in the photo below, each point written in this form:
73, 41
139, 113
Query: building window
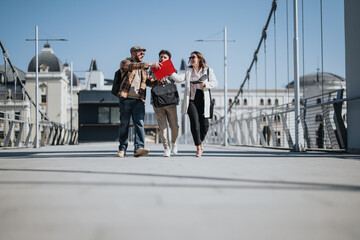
115, 115
264, 119
277, 118
237, 102
17, 115
16, 135
318, 101
92, 85
318, 118
245, 102
269, 102
108, 115
213, 100
261, 101
2, 135
230, 101
43, 98
278, 136
104, 115
43, 68
276, 102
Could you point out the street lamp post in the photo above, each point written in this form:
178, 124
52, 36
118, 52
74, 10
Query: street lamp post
225, 81
71, 102
37, 87
37, 80
296, 147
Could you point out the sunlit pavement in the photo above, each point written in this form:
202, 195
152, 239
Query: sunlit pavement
86, 192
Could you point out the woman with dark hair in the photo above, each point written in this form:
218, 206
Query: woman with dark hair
197, 102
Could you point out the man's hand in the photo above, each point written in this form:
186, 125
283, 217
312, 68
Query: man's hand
156, 65
162, 80
152, 79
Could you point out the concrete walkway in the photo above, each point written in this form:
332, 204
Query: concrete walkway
85, 192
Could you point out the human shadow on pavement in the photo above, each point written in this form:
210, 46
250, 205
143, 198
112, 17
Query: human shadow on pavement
251, 183
181, 153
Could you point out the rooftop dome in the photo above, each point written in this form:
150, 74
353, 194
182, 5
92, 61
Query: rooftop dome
47, 58
316, 78
76, 81
8, 78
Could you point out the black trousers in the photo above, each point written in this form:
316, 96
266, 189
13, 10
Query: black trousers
198, 123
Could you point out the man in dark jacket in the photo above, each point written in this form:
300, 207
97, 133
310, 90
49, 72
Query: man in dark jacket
132, 94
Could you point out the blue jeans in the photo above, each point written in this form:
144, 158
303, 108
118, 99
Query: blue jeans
135, 108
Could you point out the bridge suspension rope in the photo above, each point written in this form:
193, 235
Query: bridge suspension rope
262, 39
303, 46
17, 79
322, 50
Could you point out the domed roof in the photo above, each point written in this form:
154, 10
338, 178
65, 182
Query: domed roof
76, 81
8, 78
316, 78
47, 58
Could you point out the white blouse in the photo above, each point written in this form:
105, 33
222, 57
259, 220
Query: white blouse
194, 77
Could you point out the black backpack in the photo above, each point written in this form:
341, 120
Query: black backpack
117, 83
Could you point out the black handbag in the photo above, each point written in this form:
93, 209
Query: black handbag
211, 101
165, 95
211, 106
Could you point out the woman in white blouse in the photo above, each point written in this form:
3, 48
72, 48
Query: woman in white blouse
196, 102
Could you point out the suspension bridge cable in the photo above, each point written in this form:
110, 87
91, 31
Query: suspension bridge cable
322, 51
213, 35
287, 48
15, 73
273, 9
287, 54
276, 102
265, 71
303, 46
256, 93
303, 56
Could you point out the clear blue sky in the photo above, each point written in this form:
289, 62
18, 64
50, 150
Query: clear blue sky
106, 30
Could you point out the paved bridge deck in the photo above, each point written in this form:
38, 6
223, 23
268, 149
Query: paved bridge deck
85, 192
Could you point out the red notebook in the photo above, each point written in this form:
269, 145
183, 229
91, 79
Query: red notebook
166, 69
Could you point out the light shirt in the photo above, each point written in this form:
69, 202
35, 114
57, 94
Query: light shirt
135, 86
194, 77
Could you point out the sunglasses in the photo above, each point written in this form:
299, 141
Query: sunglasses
141, 53
192, 57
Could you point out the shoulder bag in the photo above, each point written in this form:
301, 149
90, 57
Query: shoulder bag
165, 95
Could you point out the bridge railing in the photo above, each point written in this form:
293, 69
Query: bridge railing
19, 132
322, 125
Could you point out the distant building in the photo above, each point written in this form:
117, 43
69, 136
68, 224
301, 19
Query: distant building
54, 87
12, 102
54, 92
252, 100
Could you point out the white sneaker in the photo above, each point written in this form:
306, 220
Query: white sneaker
174, 149
166, 152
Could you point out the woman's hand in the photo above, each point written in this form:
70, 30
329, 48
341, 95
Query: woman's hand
202, 84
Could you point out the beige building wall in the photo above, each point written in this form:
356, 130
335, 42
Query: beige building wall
56, 95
